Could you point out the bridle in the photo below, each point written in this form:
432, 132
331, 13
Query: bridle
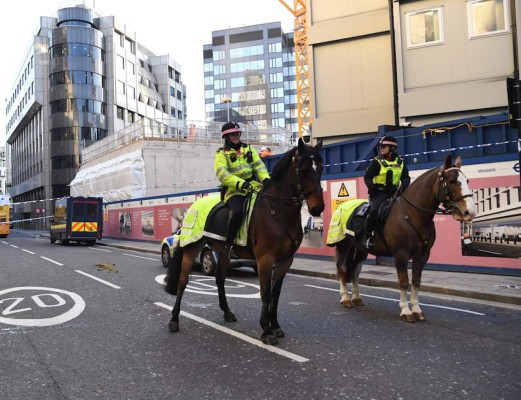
301, 194
447, 199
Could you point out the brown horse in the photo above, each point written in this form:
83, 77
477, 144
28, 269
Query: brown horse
274, 235
408, 234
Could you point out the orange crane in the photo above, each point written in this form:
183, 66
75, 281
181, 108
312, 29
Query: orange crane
301, 66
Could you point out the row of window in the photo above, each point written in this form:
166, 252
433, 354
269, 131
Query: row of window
78, 105
77, 77
23, 78
484, 18
78, 133
76, 49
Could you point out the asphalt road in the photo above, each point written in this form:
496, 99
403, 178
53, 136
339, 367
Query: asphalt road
82, 322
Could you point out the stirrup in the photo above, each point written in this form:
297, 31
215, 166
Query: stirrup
229, 251
368, 242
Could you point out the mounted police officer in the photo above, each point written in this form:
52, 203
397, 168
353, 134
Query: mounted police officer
236, 165
382, 178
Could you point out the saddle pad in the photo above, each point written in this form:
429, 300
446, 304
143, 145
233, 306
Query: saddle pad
197, 224
337, 227
195, 219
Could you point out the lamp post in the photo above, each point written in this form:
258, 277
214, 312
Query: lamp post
227, 100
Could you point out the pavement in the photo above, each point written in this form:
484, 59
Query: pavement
488, 287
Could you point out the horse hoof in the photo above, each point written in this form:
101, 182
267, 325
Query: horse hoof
230, 317
173, 326
419, 317
358, 302
346, 303
278, 332
269, 339
407, 318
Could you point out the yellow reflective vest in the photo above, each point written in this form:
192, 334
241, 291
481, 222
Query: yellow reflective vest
233, 168
396, 166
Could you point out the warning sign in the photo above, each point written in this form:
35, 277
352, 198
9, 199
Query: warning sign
343, 191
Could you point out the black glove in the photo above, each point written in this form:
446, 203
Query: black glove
266, 182
246, 186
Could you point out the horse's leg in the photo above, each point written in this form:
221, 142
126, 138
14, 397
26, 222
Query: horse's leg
264, 270
341, 257
173, 325
417, 268
400, 262
278, 277
356, 299
220, 276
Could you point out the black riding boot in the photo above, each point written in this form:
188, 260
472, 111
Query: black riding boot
369, 227
231, 232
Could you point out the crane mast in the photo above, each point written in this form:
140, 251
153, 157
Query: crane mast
301, 65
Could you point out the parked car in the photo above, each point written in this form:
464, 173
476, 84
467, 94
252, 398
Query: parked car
207, 258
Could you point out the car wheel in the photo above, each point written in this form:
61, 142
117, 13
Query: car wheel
208, 262
165, 256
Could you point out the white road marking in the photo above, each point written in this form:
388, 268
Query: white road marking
98, 279
95, 248
14, 246
48, 259
238, 335
146, 258
397, 300
4, 242
27, 251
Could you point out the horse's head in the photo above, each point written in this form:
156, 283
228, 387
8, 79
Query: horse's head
308, 171
455, 194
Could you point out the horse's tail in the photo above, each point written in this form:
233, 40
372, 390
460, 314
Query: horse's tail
174, 271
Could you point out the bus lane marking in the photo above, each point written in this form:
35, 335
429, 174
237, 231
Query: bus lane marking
98, 279
397, 301
238, 335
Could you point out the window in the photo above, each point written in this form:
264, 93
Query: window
424, 28
487, 17
130, 116
120, 113
131, 68
120, 87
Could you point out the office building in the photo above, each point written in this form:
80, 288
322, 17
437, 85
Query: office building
249, 76
84, 78
3, 171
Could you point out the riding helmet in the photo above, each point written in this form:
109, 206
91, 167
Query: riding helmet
388, 140
230, 127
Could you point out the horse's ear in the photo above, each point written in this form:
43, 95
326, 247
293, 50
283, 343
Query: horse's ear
448, 162
301, 145
318, 146
458, 162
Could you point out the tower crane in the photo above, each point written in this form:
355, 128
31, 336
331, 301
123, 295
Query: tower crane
301, 65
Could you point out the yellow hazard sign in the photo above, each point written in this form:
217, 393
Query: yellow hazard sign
343, 191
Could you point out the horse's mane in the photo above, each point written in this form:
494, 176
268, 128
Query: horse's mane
282, 165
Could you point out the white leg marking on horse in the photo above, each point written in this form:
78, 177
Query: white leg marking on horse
404, 306
344, 293
415, 304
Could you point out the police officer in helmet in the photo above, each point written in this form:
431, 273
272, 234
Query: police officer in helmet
382, 178
236, 164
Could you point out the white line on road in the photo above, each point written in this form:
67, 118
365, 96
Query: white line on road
98, 279
14, 246
146, 258
4, 242
397, 301
238, 335
94, 248
27, 251
48, 259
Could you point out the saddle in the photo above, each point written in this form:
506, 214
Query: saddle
217, 222
355, 225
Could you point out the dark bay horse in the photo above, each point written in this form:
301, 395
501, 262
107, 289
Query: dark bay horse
408, 234
274, 235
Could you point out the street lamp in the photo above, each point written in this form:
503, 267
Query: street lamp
227, 100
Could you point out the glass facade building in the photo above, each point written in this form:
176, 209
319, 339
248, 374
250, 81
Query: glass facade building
249, 77
84, 78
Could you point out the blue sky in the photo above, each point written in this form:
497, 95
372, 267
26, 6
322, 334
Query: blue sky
177, 27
